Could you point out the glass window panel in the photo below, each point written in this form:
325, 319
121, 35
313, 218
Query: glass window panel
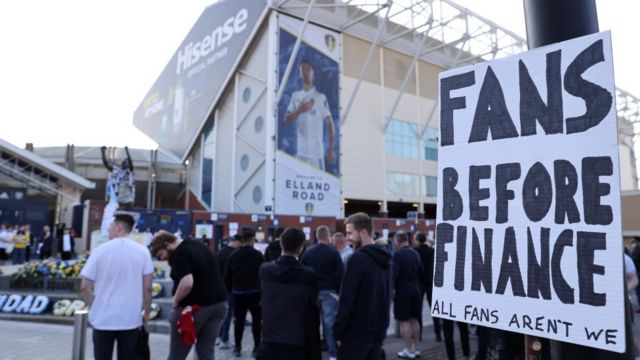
401, 139
431, 186
430, 144
207, 165
403, 184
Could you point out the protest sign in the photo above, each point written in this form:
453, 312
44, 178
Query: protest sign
529, 236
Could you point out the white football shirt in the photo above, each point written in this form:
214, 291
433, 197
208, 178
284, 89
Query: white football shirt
310, 124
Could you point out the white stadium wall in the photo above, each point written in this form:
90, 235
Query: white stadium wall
195, 168
224, 159
365, 158
627, 179
241, 136
250, 131
244, 169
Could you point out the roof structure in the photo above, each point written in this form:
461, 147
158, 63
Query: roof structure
37, 172
91, 155
437, 31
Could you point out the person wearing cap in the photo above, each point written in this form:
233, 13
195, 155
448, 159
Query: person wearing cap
274, 250
116, 285
241, 279
233, 242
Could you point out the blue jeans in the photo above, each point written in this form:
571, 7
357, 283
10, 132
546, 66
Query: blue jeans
223, 334
329, 308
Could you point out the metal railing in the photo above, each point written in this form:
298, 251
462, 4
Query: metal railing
79, 334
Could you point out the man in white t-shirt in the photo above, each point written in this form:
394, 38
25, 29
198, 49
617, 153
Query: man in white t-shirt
309, 110
116, 284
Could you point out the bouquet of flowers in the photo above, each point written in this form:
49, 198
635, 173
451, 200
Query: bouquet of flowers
51, 268
158, 272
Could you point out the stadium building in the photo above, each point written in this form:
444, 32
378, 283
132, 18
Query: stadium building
260, 135
285, 112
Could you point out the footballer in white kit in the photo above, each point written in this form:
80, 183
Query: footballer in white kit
309, 110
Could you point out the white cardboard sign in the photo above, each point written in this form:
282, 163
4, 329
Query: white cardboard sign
529, 230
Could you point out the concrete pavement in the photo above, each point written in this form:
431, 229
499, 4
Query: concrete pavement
28, 340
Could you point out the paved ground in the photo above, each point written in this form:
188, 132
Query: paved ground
27, 340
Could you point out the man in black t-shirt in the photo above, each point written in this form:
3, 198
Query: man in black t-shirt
196, 281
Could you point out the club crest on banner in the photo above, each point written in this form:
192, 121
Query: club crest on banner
308, 207
330, 42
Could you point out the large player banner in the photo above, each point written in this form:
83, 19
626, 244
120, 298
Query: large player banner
307, 170
529, 226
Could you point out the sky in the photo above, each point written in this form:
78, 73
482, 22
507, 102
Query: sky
74, 71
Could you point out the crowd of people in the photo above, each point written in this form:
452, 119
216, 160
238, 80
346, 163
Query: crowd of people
335, 295
18, 244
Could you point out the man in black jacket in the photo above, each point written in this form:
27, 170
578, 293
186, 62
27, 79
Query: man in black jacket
241, 279
222, 257
365, 295
427, 255
289, 292
45, 244
66, 244
327, 263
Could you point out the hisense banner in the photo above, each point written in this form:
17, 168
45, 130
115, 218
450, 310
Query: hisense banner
307, 169
181, 98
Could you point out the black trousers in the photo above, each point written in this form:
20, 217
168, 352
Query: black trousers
360, 351
447, 326
436, 321
277, 351
103, 344
244, 303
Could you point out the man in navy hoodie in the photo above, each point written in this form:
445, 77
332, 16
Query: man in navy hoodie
365, 295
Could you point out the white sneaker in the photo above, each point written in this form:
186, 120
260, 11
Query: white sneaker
406, 354
332, 358
224, 345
